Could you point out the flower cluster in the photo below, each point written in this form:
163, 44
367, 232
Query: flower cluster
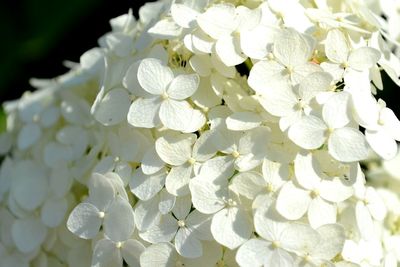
212, 133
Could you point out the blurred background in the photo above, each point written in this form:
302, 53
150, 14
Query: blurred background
38, 35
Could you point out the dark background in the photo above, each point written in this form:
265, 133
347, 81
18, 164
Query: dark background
38, 35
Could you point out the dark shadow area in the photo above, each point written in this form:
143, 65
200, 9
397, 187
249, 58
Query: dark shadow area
38, 35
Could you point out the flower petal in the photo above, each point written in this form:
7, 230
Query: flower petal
153, 76
309, 132
348, 145
119, 221
143, 112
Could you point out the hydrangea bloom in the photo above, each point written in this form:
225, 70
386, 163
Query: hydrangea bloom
212, 133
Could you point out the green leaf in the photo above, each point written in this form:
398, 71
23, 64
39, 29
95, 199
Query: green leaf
2, 121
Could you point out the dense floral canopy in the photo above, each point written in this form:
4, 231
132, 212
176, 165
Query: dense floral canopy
212, 133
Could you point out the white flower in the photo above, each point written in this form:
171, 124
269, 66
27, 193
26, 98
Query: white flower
339, 52
109, 253
166, 103
225, 23
231, 224
278, 240
292, 53
344, 143
185, 227
316, 196
383, 130
104, 207
290, 103
178, 152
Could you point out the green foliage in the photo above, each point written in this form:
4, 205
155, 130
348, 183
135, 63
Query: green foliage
2, 120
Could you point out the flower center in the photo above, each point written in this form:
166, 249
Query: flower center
181, 223
192, 161
235, 154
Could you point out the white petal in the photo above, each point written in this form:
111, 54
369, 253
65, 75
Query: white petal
264, 71
307, 170
221, 68
218, 20
180, 116
106, 254
201, 64
205, 96
202, 42
391, 123
253, 253
29, 185
113, 107
279, 99
231, 227
147, 186
153, 76
164, 231
143, 112
183, 86
157, 255
336, 46
203, 149
53, 212
200, 224
229, 51
84, 221
364, 221
321, 212
218, 169
382, 143
205, 196
241, 121
363, 58
147, 213
275, 173
300, 72
165, 29
151, 162
28, 234
336, 112
167, 202
268, 224
60, 180
299, 238
175, 149
182, 207
335, 190
187, 245
313, 84
131, 251
292, 202
332, 242
6, 141
130, 81
291, 48
177, 181
375, 204
347, 145
183, 15
101, 191
309, 132
248, 184
29, 134
119, 221
255, 43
